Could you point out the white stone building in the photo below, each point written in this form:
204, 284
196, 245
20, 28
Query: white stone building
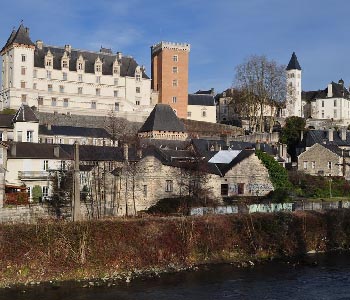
72, 81
201, 106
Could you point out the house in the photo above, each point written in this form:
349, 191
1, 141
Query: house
324, 160
201, 106
72, 81
332, 102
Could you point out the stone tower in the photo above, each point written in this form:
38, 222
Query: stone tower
293, 103
170, 75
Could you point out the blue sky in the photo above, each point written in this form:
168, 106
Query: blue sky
222, 33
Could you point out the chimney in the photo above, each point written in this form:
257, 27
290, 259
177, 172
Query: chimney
56, 151
48, 126
68, 48
301, 135
119, 55
330, 134
212, 91
4, 136
126, 152
330, 90
39, 44
343, 134
13, 150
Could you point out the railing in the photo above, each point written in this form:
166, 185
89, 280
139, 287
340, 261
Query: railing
38, 175
20, 198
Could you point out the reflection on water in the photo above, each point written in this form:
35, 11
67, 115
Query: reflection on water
329, 279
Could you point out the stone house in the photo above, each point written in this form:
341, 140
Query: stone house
324, 160
201, 106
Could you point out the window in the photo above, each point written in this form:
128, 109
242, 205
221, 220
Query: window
53, 101
204, 114
189, 114
64, 64
322, 103
115, 94
64, 76
23, 84
80, 77
34, 86
98, 92
24, 98
98, 68
335, 103
175, 58
46, 165
48, 62
305, 164
138, 89
224, 189
174, 99
19, 136
40, 101
23, 58
138, 77
98, 79
322, 113
115, 70
80, 90
63, 165
35, 73
175, 82
174, 70
48, 74
168, 185
61, 88
137, 102
313, 165
93, 104
80, 66
145, 191
335, 114
329, 165
115, 81
65, 102
175, 111
23, 71
29, 136
116, 106
45, 191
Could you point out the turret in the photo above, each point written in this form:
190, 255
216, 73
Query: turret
293, 104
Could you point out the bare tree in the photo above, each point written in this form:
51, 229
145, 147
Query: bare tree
263, 82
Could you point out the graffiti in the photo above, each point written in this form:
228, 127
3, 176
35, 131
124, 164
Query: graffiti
255, 188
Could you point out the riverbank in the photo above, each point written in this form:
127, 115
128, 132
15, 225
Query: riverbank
111, 250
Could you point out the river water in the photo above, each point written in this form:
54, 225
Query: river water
323, 276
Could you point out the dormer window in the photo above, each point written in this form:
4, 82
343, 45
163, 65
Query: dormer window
98, 65
80, 63
65, 61
49, 59
64, 64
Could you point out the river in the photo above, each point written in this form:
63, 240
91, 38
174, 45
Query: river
322, 276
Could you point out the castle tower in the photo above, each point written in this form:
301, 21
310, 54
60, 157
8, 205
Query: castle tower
17, 67
293, 103
170, 75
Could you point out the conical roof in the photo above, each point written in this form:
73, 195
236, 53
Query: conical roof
21, 36
162, 118
293, 63
24, 114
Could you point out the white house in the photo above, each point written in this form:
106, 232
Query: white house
201, 106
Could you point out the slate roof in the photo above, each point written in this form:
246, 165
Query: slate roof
39, 151
163, 118
293, 63
24, 114
208, 92
73, 131
312, 137
201, 99
127, 68
6, 121
21, 36
338, 91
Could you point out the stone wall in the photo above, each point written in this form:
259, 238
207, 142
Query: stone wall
23, 214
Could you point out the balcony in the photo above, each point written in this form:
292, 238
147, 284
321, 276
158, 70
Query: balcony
33, 175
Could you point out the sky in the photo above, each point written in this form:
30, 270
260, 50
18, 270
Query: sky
222, 33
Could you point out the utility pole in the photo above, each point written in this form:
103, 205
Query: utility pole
76, 185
